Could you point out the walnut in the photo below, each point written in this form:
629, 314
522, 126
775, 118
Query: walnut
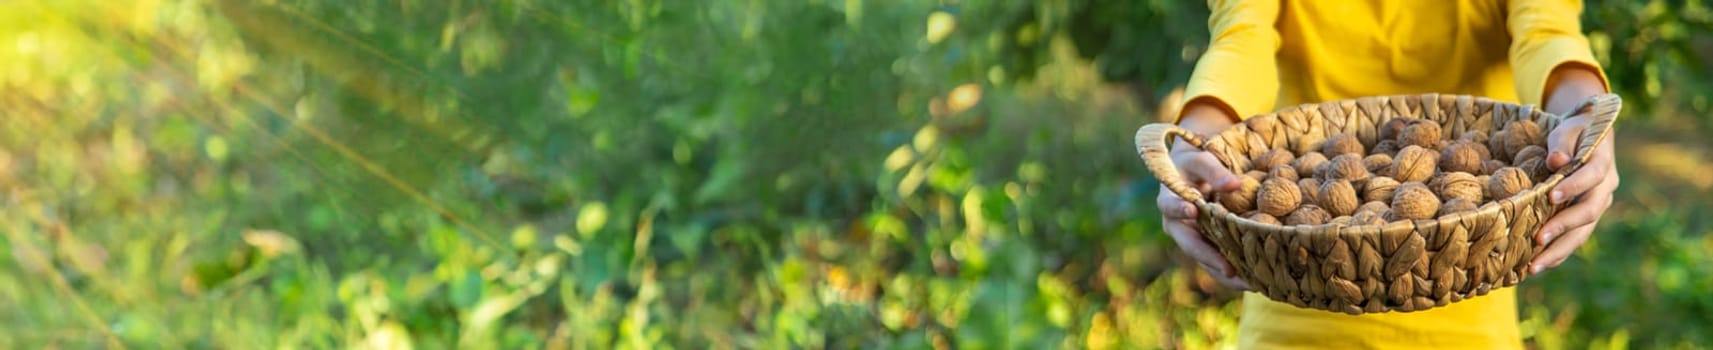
1462, 156
1508, 182
1457, 185
1414, 163
1256, 174
1527, 153
1424, 133
1341, 144
1368, 218
1455, 206
1262, 218
1338, 197
1387, 147
1375, 207
1521, 134
1278, 197
1344, 167
1274, 158
1497, 145
1243, 199
1378, 164
1308, 162
1536, 168
1490, 166
1284, 172
1391, 128
1474, 136
1308, 215
1379, 189
1341, 221
1310, 189
1414, 201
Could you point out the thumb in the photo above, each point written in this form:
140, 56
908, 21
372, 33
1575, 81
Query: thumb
1561, 143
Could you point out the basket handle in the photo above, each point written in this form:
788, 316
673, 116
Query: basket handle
1151, 143
1604, 111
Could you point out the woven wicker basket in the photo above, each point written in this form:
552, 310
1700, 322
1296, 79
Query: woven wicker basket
1402, 265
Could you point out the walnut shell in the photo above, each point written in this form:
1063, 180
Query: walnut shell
1391, 128
1310, 189
1375, 207
1490, 166
1414, 201
1338, 197
1278, 197
1414, 163
1274, 158
1378, 164
1367, 218
1455, 206
1262, 218
1497, 144
1308, 215
1242, 199
1462, 156
1308, 162
1386, 147
1284, 172
1521, 134
1529, 152
1379, 189
1508, 182
1474, 136
1342, 221
1344, 167
1422, 132
1256, 174
1536, 168
1458, 185
1342, 144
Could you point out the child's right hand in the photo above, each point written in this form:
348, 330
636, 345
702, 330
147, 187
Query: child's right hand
1207, 175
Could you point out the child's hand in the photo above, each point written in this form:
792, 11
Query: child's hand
1179, 217
1589, 189
1208, 175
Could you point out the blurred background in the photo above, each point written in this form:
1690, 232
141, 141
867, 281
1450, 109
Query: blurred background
693, 174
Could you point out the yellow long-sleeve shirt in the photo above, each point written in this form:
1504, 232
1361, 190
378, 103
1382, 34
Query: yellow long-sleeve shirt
1267, 54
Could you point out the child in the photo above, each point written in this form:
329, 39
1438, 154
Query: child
1266, 54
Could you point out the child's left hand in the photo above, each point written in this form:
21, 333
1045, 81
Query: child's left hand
1589, 189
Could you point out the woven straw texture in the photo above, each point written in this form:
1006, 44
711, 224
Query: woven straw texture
1399, 266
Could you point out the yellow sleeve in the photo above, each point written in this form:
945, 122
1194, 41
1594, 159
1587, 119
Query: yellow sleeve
1238, 72
1547, 35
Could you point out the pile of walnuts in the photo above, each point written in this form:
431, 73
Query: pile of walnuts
1410, 173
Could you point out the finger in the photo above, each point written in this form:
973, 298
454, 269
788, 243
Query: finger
1192, 243
1204, 167
1584, 212
1598, 169
1560, 250
1173, 207
1233, 282
1561, 143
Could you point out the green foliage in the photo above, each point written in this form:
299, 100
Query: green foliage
647, 174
